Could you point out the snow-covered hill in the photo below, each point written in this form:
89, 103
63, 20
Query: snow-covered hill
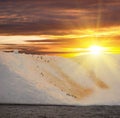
82, 80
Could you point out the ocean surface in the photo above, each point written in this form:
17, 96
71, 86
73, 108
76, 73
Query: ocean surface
58, 111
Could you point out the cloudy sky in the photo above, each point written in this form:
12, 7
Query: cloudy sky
58, 26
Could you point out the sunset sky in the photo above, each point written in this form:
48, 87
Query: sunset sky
60, 27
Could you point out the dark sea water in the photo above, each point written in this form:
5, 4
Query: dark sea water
56, 111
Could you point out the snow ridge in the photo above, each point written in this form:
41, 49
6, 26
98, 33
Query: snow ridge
82, 80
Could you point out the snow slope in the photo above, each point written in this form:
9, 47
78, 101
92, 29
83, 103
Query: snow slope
83, 80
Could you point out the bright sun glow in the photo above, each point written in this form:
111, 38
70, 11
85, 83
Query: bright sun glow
96, 50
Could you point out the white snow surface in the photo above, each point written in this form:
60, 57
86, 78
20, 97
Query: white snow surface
82, 80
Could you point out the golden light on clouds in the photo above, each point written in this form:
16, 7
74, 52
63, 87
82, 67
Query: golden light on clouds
69, 28
73, 44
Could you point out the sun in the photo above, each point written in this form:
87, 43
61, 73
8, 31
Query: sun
96, 50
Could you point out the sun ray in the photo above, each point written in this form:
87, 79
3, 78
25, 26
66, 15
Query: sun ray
96, 49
